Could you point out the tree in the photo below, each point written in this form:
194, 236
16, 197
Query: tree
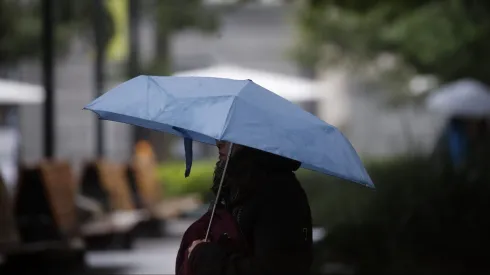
172, 16
20, 26
445, 38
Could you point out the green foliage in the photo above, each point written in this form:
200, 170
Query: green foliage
175, 15
445, 38
414, 223
171, 175
21, 26
172, 16
333, 201
336, 201
17, 35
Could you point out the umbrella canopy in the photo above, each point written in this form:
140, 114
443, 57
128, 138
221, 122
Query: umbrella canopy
238, 111
292, 88
466, 97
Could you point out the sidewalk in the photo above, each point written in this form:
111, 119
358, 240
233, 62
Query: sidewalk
149, 256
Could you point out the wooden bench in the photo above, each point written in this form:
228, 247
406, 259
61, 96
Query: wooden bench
107, 183
172, 208
119, 221
45, 216
45, 203
147, 194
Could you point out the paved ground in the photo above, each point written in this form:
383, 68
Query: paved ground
149, 256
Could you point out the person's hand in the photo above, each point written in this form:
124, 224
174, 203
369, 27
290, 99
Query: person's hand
193, 245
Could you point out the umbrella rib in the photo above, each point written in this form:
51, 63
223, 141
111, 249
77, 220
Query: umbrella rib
159, 86
229, 114
148, 97
232, 106
228, 118
170, 97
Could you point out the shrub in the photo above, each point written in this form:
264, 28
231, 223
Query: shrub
331, 199
171, 175
415, 223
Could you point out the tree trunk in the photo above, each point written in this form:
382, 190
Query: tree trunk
163, 60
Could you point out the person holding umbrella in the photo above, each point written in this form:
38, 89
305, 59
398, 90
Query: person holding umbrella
260, 221
272, 212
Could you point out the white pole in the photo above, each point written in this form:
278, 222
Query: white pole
219, 191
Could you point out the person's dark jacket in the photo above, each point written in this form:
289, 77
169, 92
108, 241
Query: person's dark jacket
276, 223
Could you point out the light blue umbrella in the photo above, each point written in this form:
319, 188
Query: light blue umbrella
207, 109
466, 98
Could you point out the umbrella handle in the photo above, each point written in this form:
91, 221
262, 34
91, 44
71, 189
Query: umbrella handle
219, 192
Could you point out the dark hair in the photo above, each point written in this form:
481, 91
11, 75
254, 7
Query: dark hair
250, 166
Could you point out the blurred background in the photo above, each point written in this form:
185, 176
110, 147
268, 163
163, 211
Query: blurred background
406, 82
